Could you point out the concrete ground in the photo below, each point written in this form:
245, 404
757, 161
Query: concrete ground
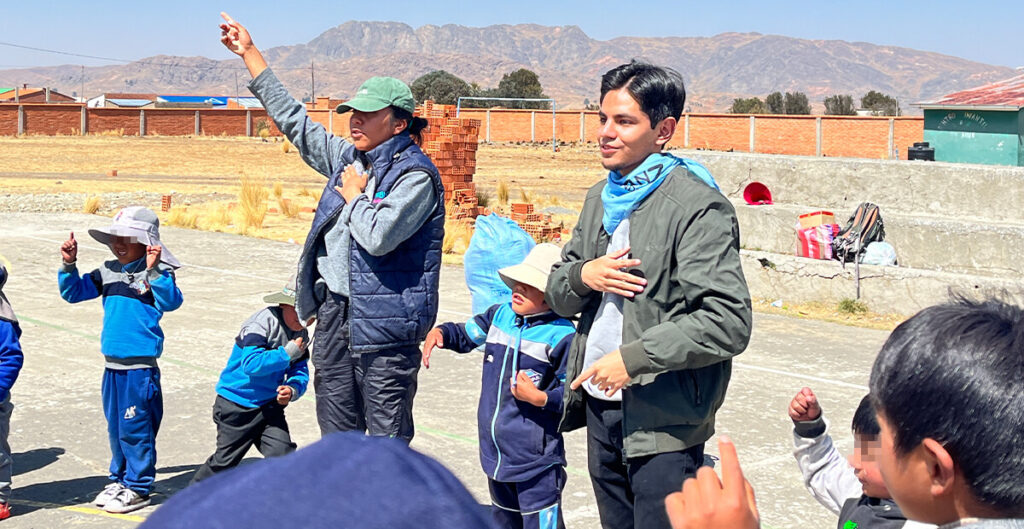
58, 433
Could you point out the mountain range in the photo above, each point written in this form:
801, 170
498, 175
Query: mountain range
568, 62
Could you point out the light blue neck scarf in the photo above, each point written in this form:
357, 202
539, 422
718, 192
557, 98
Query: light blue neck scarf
623, 194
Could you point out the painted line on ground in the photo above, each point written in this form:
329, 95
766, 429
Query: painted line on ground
801, 376
78, 509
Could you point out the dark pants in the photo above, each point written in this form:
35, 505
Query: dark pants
368, 392
238, 428
134, 406
532, 504
631, 492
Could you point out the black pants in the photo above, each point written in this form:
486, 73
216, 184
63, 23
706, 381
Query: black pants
631, 492
238, 428
370, 392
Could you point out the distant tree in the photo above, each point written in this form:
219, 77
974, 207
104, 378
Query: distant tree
775, 103
522, 83
752, 105
796, 103
839, 105
440, 87
880, 104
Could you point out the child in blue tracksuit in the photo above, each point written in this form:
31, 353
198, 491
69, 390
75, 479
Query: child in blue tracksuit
526, 348
137, 288
268, 368
10, 365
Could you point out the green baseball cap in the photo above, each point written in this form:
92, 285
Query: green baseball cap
380, 92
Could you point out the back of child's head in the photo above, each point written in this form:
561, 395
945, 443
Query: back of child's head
864, 420
954, 373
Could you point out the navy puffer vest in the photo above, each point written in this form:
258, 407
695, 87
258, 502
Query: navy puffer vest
393, 298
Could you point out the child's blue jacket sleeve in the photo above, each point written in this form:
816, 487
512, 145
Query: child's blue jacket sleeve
559, 356
464, 337
298, 377
166, 294
258, 359
11, 357
74, 288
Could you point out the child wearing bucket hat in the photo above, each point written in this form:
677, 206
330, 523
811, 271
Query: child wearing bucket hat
268, 368
11, 360
137, 287
525, 349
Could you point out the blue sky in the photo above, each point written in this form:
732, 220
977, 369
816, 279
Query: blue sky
989, 32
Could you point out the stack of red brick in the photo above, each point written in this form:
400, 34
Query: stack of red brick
451, 144
538, 225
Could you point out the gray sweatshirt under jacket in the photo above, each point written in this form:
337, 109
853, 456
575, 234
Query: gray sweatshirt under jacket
377, 228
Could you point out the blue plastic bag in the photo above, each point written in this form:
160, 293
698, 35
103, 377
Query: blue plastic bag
497, 242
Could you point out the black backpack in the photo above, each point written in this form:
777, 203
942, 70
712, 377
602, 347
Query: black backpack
864, 227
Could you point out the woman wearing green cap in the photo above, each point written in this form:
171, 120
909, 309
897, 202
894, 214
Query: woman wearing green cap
370, 267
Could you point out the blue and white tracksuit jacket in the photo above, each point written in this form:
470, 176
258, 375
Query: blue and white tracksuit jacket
134, 300
517, 440
259, 361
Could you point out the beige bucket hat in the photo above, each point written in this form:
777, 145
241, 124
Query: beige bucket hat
140, 223
534, 269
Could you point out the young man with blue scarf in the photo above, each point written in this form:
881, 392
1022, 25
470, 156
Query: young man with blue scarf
653, 270
370, 268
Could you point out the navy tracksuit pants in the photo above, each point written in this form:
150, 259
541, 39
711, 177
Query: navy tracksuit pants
133, 404
532, 504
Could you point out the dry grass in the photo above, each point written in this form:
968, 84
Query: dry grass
288, 208
525, 197
278, 190
833, 313
502, 192
182, 218
456, 236
311, 193
252, 204
286, 146
92, 205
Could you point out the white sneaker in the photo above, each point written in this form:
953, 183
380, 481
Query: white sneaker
126, 501
108, 493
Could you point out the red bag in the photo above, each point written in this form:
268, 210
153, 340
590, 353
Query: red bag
816, 242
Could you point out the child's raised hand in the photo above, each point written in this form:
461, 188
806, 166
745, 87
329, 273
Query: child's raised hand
234, 36
69, 249
524, 390
434, 339
804, 406
153, 255
285, 395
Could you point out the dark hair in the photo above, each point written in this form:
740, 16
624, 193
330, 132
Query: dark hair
955, 373
865, 422
658, 90
415, 124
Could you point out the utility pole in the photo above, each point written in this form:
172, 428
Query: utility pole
312, 84
82, 93
236, 88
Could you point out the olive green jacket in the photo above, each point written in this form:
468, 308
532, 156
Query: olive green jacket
678, 335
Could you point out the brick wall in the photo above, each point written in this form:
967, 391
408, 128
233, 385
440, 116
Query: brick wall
51, 119
785, 135
114, 119
8, 120
842, 136
170, 122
